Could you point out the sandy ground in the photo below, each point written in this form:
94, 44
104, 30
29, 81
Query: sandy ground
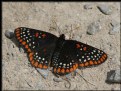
17, 73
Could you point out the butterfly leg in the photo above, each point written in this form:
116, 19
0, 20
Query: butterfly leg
67, 85
84, 78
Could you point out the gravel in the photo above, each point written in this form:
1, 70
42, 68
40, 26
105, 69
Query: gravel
115, 27
57, 79
9, 34
114, 76
105, 9
87, 6
94, 28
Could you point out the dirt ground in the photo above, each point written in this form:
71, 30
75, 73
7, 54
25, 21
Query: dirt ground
71, 19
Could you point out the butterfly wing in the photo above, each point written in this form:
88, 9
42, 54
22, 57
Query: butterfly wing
75, 54
38, 44
88, 55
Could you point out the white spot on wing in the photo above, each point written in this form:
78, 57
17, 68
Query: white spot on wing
80, 60
43, 59
85, 60
39, 57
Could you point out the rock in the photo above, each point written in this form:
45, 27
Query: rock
105, 9
115, 27
21, 50
57, 79
9, 34
114, 76
94, 28
87, 6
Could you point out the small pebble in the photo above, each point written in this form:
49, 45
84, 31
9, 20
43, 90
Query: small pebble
87, 6
57, 79
114, 76
94, 28
9, 34
115, 27
105, 9
21, 50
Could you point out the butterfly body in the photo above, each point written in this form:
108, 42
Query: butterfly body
64, 56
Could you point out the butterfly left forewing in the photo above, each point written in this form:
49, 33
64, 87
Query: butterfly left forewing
38, 44
33, 39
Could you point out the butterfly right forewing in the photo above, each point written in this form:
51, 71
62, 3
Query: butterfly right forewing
89, 56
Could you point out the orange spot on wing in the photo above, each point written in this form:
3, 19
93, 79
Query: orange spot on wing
31, 58
32, 62
17, 35
84, 48
26, 46
91, 62
40, 66
82, 65
58, 70
95, 62
105, 55
99, 61
17, 30
67, 70
74, 67
36, 64
30, 54
86, 64
20, 40
71, 69
37, 34
23, 42
45, 67
54, 70
43, 35
29, 50
62, 70
78, 46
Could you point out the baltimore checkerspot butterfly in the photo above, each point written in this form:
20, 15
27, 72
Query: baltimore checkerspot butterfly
64, 56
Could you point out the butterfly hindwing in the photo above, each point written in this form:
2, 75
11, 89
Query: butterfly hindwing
64, 60
38, 44
75, 54
88, 55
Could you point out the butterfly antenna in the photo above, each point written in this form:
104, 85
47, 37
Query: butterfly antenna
71, 31
84, 79
57, 26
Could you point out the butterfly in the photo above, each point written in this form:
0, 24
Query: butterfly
46, 50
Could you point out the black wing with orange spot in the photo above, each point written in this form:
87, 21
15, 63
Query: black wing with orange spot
74, 55
36, 42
